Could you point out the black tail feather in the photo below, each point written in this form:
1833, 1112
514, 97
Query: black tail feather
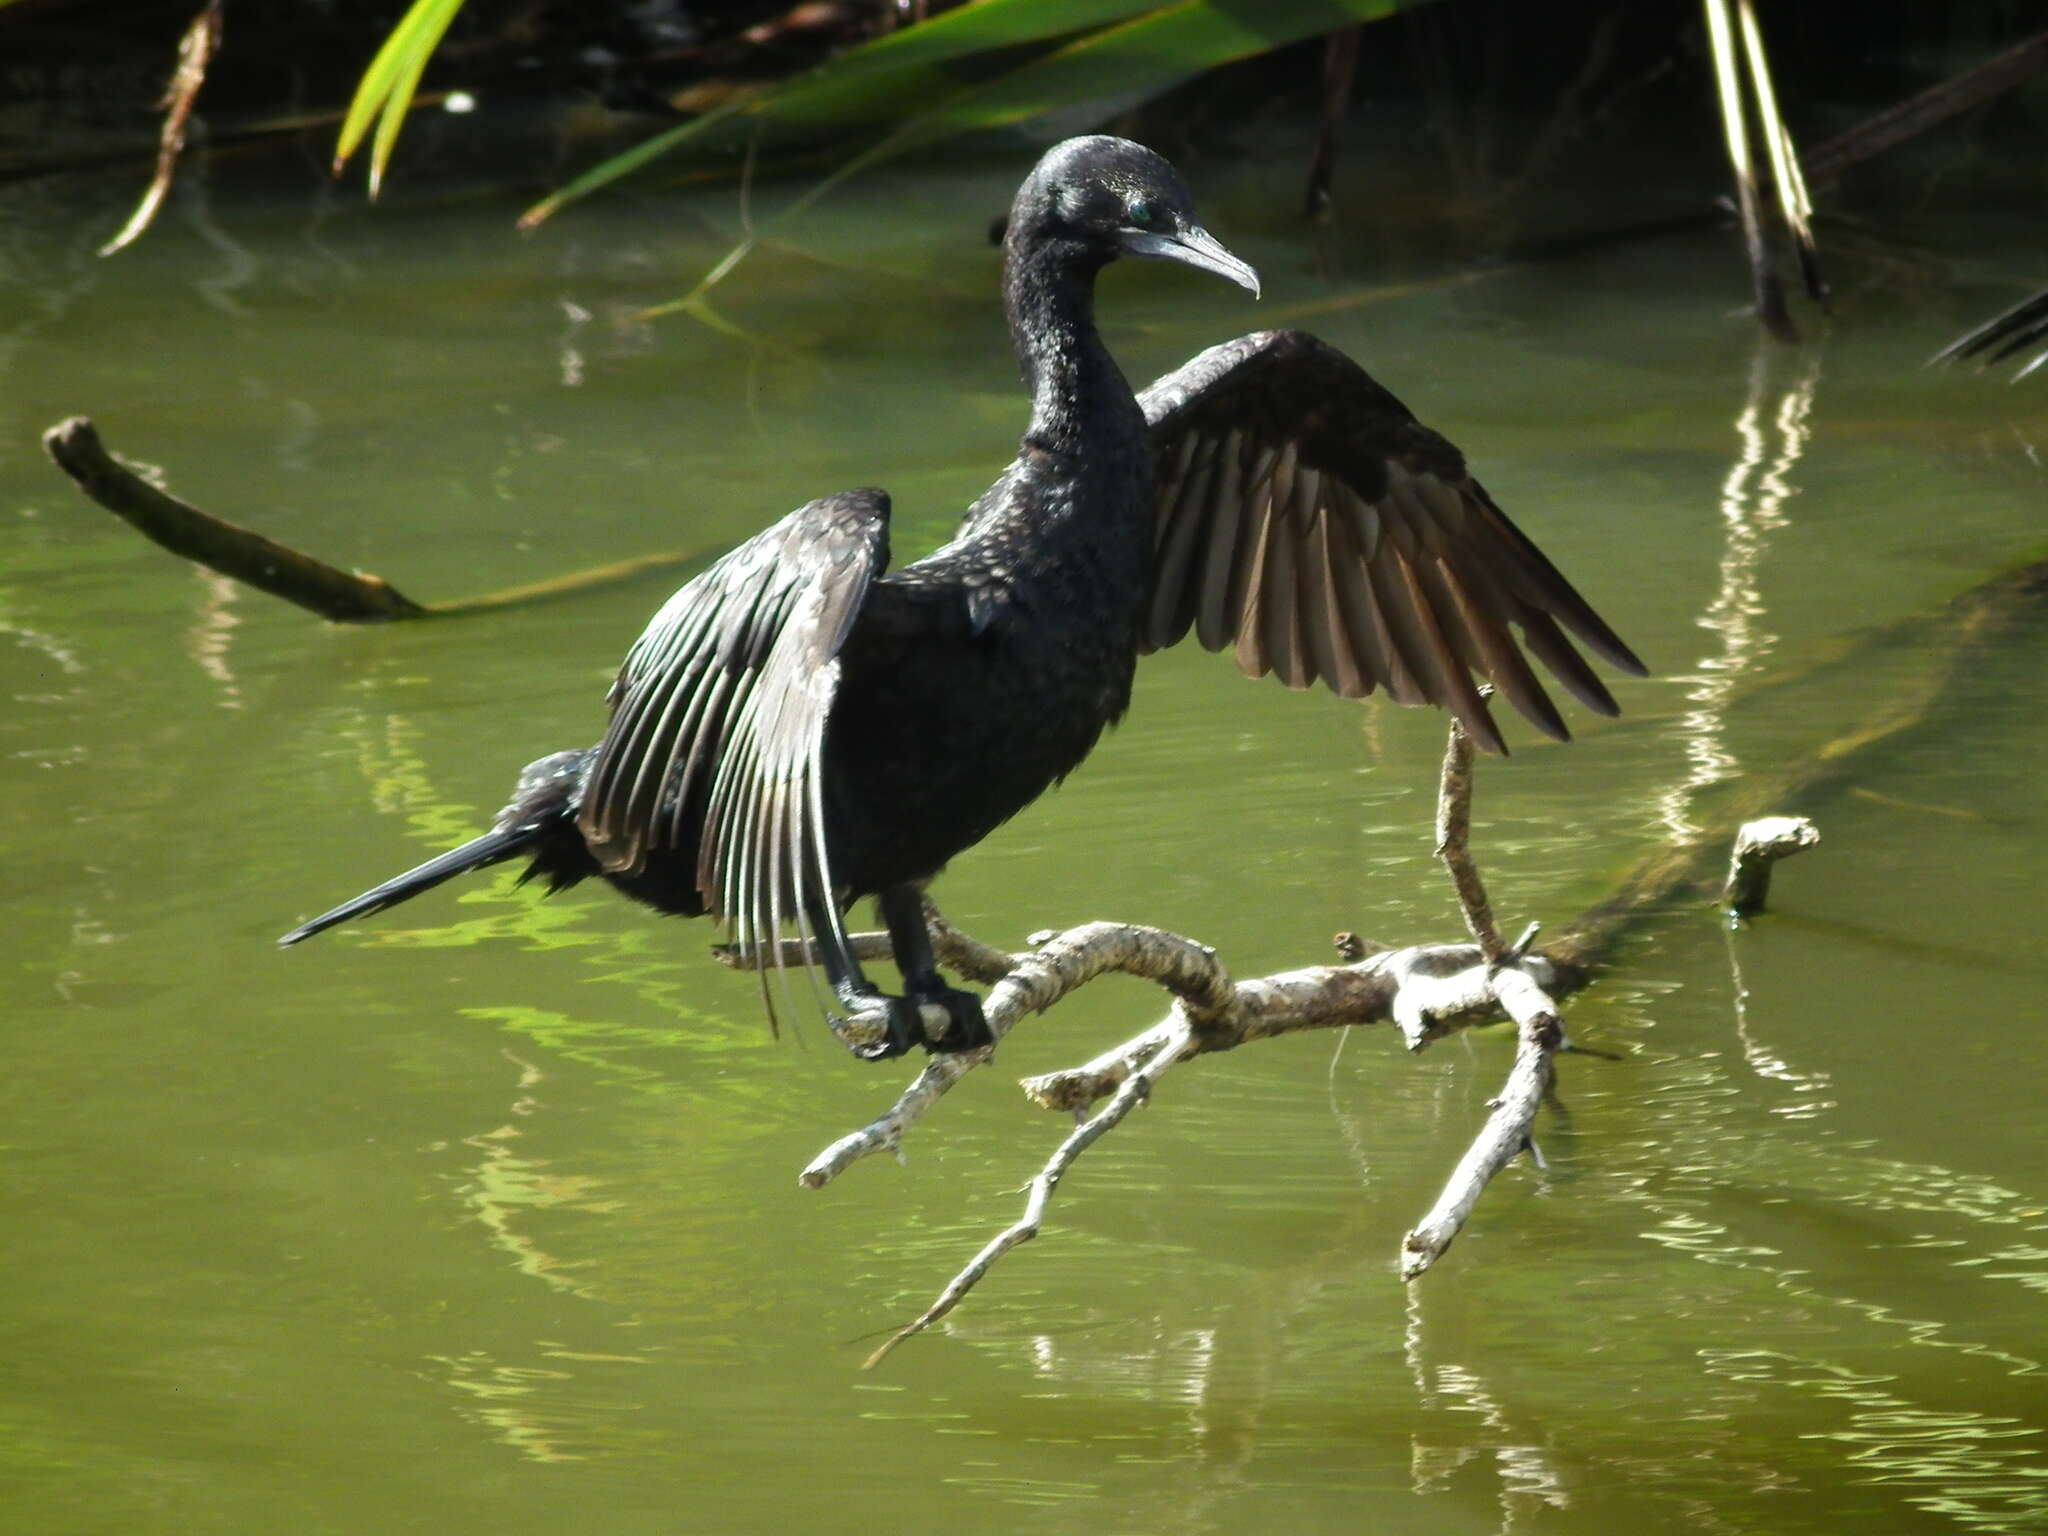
494, 847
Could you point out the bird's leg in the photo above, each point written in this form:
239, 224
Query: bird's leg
900, 1017
964, 1027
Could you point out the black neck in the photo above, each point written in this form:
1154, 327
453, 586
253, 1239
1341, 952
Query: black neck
1049, 291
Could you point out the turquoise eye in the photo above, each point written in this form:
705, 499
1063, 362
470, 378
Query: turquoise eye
1141, 214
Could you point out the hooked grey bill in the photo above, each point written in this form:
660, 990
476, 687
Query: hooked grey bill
1198, 248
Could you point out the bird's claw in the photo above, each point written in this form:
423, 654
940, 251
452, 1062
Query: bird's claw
941, 1019
964, 1026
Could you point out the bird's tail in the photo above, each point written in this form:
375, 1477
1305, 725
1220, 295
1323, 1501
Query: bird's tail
494, 847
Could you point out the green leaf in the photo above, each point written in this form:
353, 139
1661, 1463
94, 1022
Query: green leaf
1113, 49
385, 92
870, 83
907, 66
1139, 58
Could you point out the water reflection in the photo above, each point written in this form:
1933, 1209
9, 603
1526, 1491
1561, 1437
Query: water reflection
239, 264
1524, 1469
503, 1398
1808, 1085
1771, 430
212, 631
568, 349
505, 1186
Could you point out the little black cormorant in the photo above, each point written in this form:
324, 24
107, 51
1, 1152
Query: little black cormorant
800, 726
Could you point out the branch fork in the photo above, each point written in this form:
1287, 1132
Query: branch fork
1426, 990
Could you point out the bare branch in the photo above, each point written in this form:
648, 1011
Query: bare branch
1453, 839
1033, 983
1506, 981
345, 597
1506, 1132
963, 954
1136, 1089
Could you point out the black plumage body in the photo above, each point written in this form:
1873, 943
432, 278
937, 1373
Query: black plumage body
796, 728
984, 673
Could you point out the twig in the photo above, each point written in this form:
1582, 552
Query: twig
1423, 988
195, 52
1509, 983
1136, 1089
1453, 842
1033, 984
1506, 1132
1758, 847
574, 584
1427, 990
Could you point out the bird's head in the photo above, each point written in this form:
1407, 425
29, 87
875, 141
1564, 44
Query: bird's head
1110, 197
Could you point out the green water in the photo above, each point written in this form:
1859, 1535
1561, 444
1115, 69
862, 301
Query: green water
484, 1216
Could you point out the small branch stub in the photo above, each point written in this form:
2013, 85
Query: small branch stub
1758, 847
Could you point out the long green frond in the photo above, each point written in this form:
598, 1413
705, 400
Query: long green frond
385, 92
919, 78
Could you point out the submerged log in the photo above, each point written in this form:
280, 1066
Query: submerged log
345, 597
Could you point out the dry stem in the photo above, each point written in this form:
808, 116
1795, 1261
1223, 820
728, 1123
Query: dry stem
1506, 1132
1034, 982
195, 52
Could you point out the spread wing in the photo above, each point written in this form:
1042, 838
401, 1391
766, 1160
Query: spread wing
716, 742
1307, 518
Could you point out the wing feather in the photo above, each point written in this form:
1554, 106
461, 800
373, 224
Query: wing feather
715, 750
1181, 533
1307, 521
1351, 580
1322, 628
